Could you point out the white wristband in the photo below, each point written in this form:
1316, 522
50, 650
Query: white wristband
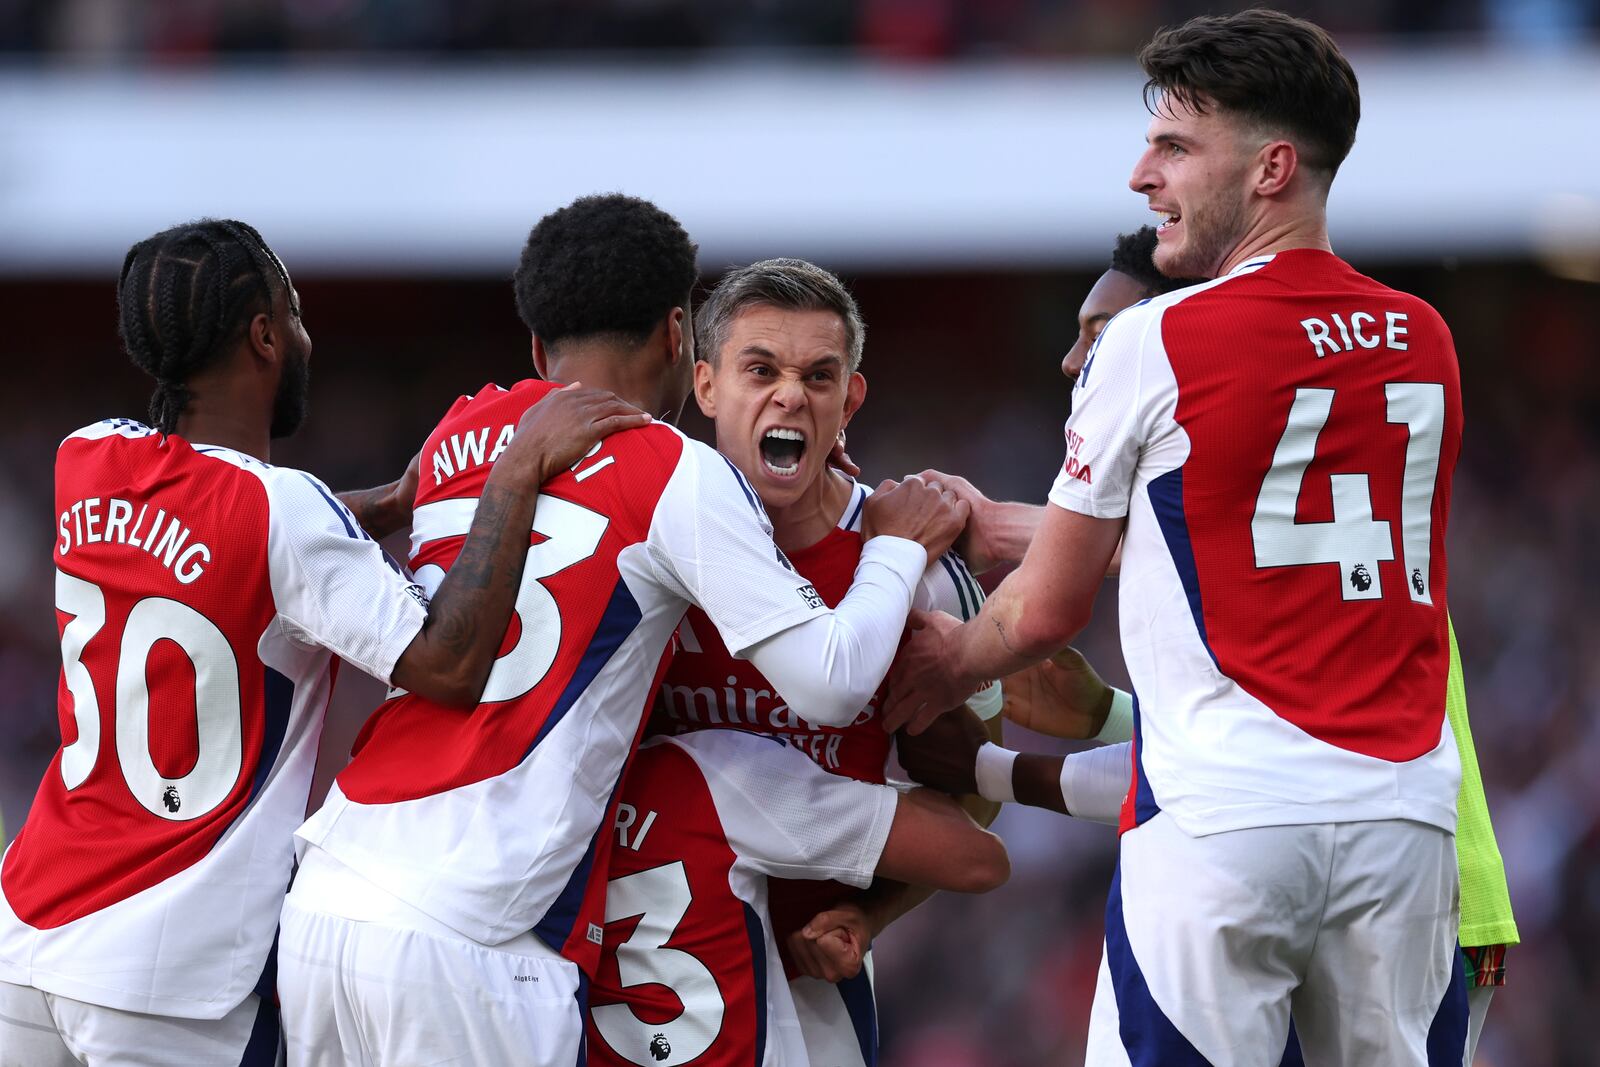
1119, 720
993, 773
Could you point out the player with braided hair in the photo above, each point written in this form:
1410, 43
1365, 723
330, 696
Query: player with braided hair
188, 291
203, 594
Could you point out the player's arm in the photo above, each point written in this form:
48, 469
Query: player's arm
956, 755
1047, 600
713, 546
335, 587
385, 509
450, 658
998, 532
1037, 611
791, 819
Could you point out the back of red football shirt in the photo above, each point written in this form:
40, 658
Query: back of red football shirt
1282, 441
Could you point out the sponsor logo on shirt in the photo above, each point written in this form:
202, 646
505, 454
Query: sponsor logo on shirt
1075, 467
808, 593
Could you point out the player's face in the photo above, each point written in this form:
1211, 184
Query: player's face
1112, 292
780, 394
293, 399
1195, 173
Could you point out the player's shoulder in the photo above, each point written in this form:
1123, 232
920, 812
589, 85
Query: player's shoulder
1132, 329
120, 429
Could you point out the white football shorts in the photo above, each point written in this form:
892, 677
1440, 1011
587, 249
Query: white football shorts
368, 981
1212, 942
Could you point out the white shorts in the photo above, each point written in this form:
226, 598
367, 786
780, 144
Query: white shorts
838, 1020
40, 1029
388, 985
1212, 941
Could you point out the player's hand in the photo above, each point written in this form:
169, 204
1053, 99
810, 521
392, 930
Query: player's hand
975, 543
923, 684
1061, 696
833, 945
945, 755
920, 511
838, 457
562, 428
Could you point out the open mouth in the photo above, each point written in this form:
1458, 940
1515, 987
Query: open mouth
781, 449
1169, 219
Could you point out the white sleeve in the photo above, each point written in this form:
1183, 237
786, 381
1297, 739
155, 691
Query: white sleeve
788, 817
1095, 781
949, 587
713, 544
332, 584
1108, 425
828, 667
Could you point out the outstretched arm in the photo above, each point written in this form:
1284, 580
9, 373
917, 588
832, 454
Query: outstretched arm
1036, 611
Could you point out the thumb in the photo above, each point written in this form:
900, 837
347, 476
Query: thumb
918, 619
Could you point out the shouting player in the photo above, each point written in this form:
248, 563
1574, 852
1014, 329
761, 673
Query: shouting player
691, 971
1278, 446
452, 888
780, 346
203, 594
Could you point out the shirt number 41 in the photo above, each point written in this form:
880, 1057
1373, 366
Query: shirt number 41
1353, 539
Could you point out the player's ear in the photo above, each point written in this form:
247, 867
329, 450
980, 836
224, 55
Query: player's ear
855, 393
541, 359
705, 388
263, 338
1276, 164
680, 336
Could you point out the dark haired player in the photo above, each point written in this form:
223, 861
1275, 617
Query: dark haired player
452, 889
1131, 278
202, 595
1277, 446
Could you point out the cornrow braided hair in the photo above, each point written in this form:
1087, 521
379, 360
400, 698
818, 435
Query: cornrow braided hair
184, 295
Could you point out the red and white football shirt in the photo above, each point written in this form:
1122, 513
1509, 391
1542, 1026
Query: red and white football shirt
690, 971
490, 820
201, 596
1282, 442
707, 687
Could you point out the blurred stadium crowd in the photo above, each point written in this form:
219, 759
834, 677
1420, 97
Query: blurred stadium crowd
183, 31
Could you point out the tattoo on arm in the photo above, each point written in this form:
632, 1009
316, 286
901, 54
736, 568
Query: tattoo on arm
456, 617
1000, 628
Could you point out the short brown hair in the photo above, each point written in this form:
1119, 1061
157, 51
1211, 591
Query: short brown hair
1279, 71
787, 284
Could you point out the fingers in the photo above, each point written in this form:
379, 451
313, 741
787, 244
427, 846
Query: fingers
924, 718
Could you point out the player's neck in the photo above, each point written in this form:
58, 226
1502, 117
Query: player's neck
222, 412
813, 516
1269, 236
630, 379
